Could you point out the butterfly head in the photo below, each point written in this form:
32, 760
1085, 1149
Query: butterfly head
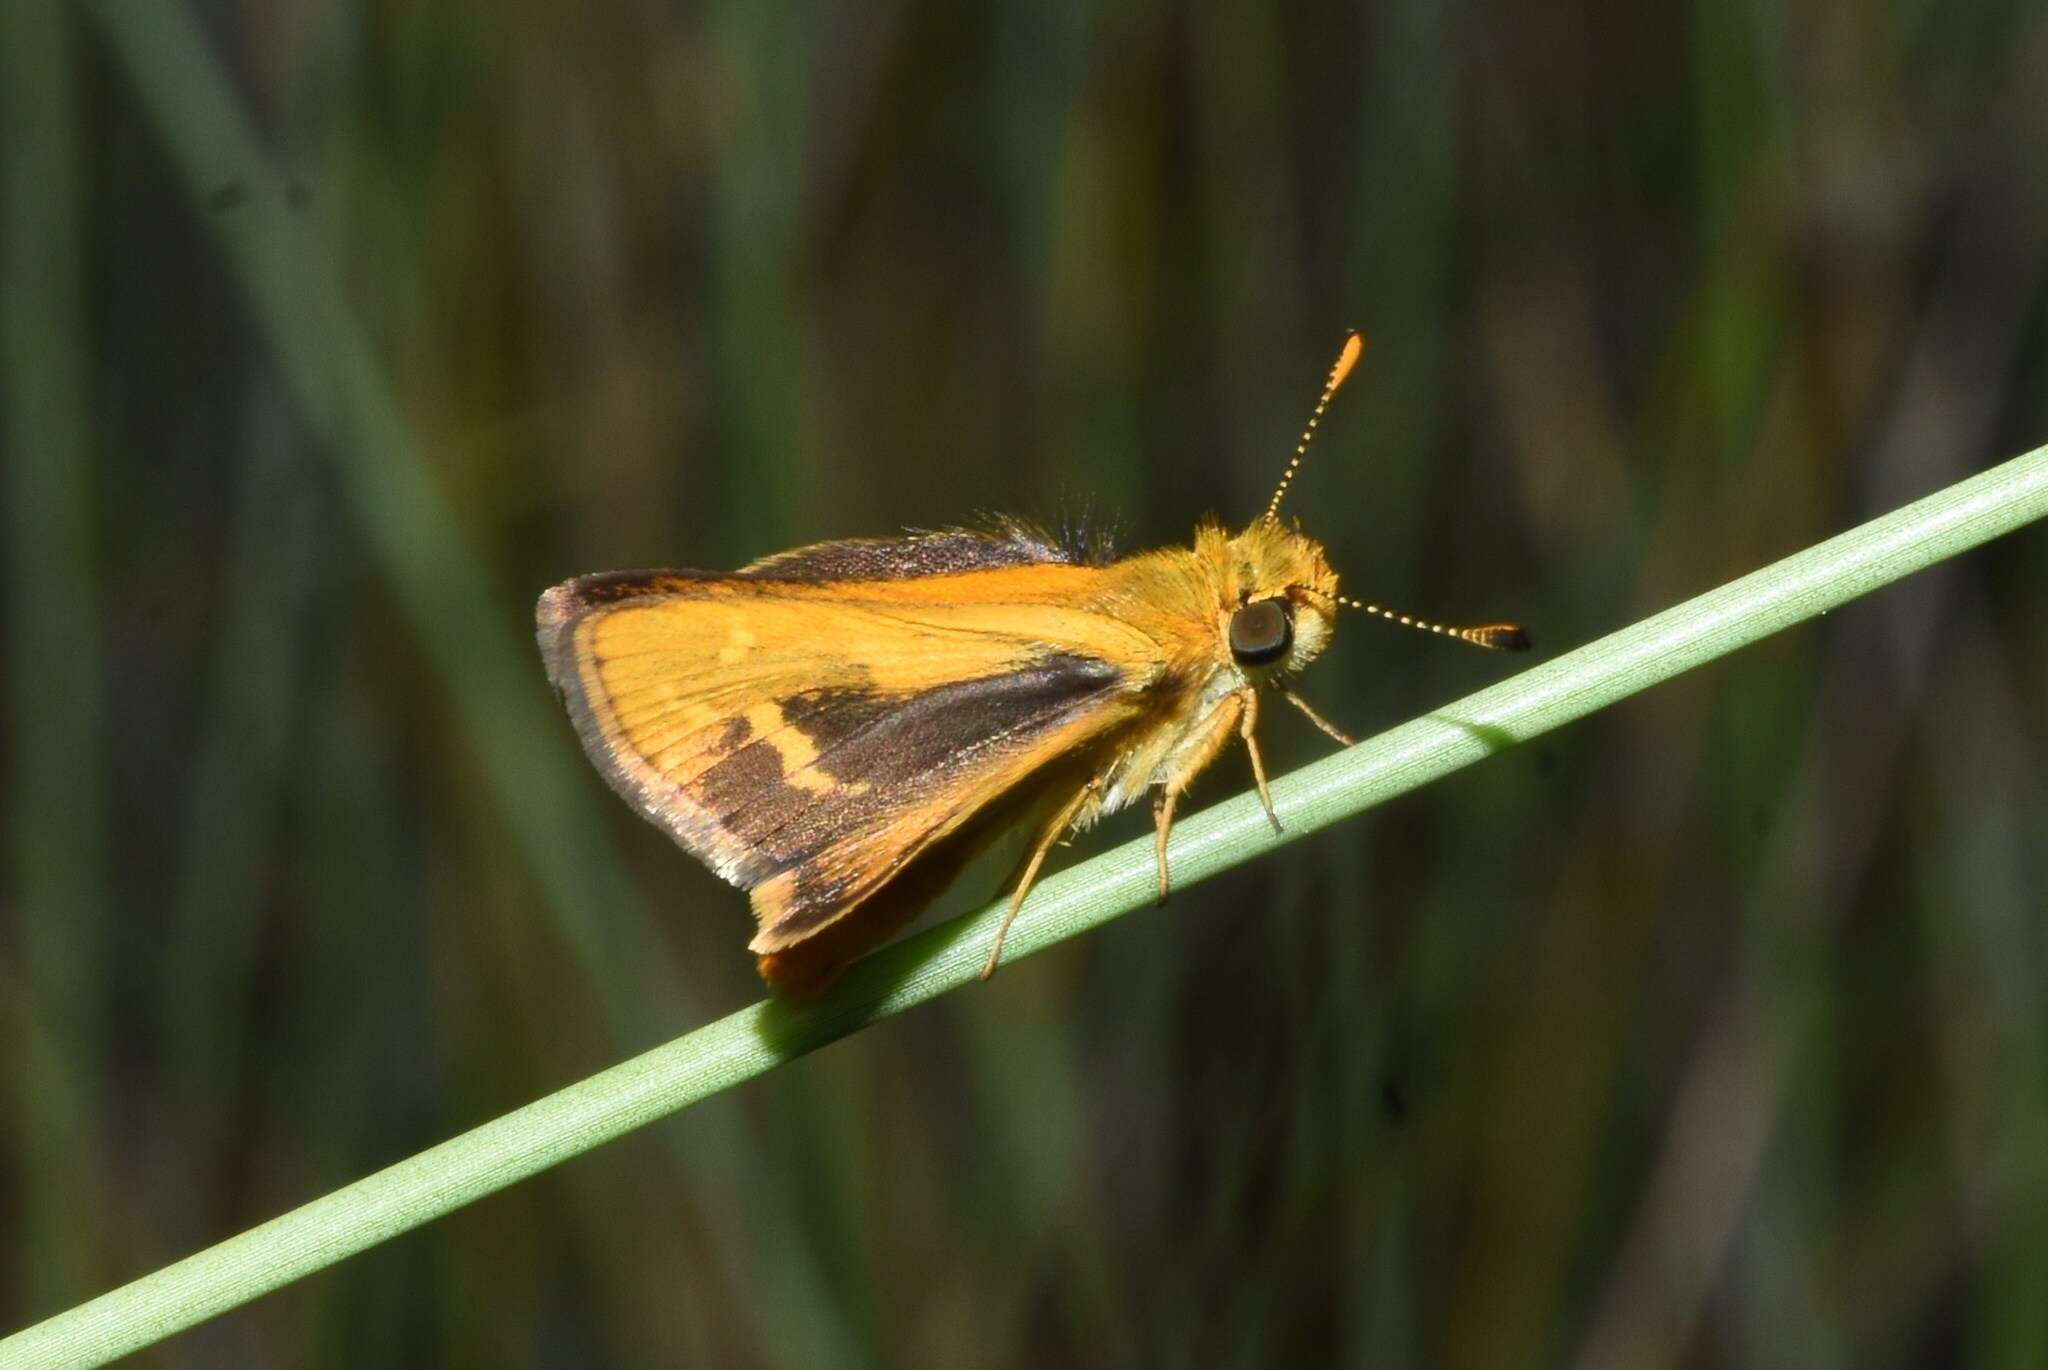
1284, 600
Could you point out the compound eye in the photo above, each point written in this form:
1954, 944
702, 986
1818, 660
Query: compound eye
1261, 633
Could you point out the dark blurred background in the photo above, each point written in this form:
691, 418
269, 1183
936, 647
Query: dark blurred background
1709, 1031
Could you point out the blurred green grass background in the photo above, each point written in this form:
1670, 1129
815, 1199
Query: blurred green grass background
1712, 1031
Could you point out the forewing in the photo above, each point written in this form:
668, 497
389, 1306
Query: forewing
809, 739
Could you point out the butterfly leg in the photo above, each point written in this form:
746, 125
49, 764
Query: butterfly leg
1226, 718
1054, 831
1162, 824
1246, 722
1343, 738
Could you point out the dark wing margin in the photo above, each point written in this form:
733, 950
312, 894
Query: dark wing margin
913, 556
916, 555
562, 605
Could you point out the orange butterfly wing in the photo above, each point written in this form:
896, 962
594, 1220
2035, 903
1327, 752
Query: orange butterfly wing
810, 737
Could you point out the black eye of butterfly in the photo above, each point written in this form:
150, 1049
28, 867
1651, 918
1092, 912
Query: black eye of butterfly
1261, 633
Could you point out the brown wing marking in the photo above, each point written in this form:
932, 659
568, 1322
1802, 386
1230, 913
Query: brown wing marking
914, 775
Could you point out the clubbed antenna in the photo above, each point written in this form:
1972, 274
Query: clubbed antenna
1346, 359
1500, 637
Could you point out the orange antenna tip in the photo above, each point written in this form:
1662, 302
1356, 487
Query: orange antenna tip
1354, 348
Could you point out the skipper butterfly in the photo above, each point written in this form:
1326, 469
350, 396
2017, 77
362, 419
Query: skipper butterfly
839, 729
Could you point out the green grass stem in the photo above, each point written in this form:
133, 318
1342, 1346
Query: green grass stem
756, 1039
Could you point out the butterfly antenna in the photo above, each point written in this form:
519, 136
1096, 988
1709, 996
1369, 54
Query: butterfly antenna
1501, 637
1346, 359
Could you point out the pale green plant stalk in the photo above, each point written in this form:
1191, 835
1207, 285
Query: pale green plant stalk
759, 1038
